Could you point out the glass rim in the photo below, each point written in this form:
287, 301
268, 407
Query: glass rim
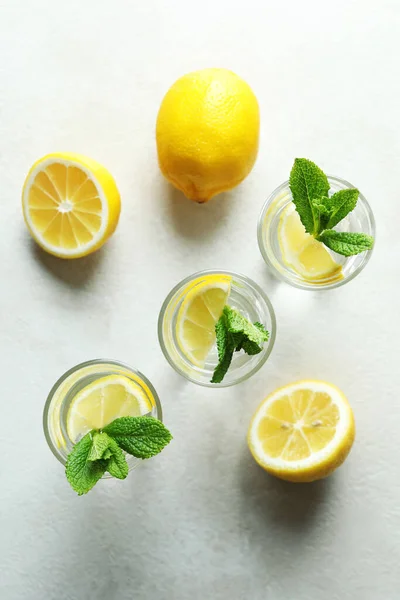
74, 369
304, 286
233, 274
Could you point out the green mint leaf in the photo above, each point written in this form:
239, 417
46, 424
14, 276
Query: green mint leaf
107, 454
226, 347
323, 210
322, 206
142, 437
100, 443
81, 472
307, 182
251, 347
341, 204
261, 327
345, 243
117, 465
235, 333
238, 324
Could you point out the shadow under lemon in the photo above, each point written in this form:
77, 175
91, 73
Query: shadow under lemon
200, 221
76, 272
293, 506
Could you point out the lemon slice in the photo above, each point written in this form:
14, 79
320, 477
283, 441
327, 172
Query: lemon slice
200, 310
71, 204
303, 431
303, 253
104, 400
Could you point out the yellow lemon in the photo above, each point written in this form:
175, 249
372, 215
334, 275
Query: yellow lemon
71, 204
199, 312
104, 400
303, 253
303, 431
207, 133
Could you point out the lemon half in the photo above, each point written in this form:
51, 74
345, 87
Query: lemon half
303, 431
104, 400
71, 204
303, 253
199, 312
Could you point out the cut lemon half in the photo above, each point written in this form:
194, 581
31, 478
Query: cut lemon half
200, 310
104, 400
71, 204
303, 253
303, 431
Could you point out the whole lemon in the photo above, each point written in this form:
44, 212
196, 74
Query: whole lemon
207, 133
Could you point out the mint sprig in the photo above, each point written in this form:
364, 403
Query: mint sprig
234, 333
320, 213
104, 450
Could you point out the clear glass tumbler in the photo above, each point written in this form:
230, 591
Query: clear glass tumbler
361, 219
246, 297
71, 383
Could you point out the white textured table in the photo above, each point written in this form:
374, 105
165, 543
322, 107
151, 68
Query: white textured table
202, 520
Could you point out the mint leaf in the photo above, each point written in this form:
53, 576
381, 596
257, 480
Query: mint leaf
100, 443
107, 454
323, 210
142, 437
322, 205
252, 347
117, 465
226, 347
81, 472
237, 324
345, 243
341, 204
307, 182
234, 333
261, 327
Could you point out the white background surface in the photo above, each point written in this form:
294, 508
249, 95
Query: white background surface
202, 520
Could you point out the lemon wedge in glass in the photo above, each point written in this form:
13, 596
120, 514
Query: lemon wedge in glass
200, 310
303, 253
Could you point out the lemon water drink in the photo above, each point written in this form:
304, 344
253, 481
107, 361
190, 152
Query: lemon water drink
297, 257
187, 322
90, 396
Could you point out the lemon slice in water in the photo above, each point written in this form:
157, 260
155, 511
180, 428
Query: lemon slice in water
104, 400
304, 254
198, 314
